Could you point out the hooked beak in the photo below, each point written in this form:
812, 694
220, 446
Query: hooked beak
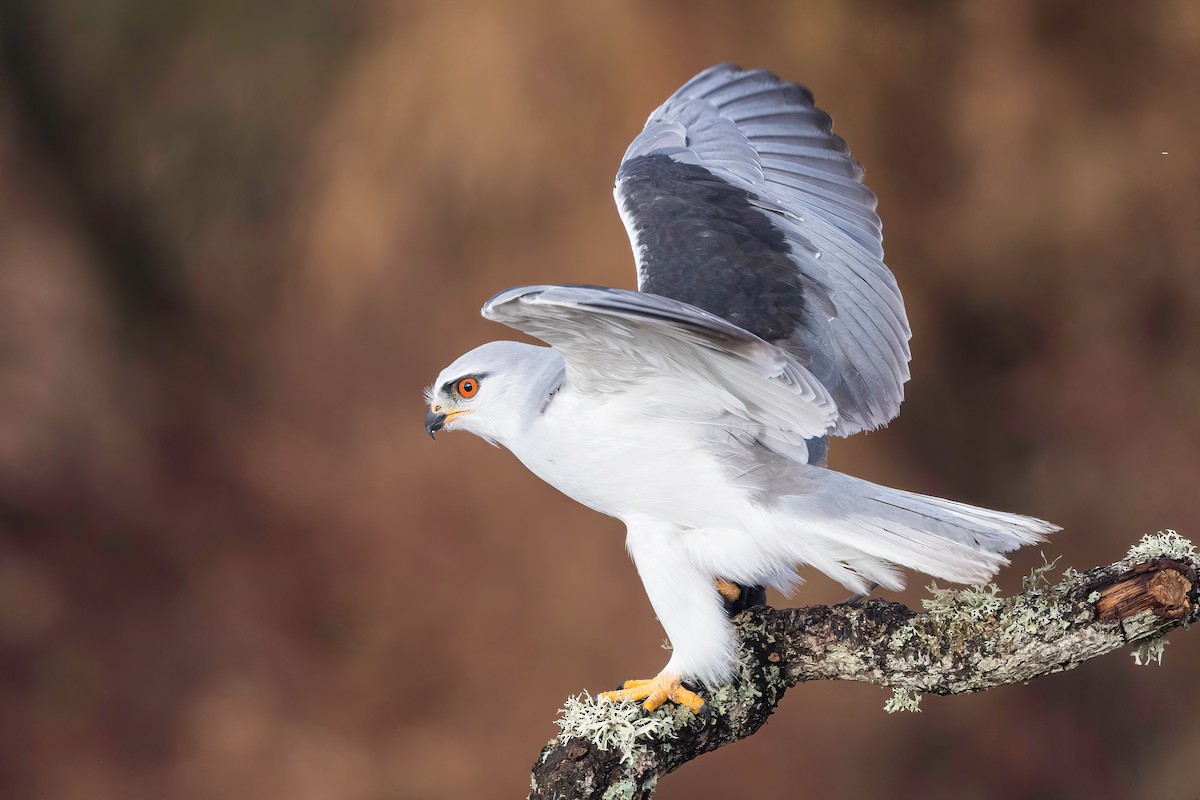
434, 422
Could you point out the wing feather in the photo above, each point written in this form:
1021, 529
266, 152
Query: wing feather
613, 339
740, 200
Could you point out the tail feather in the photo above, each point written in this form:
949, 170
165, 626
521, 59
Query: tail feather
859, 532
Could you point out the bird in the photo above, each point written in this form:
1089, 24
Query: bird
697, 410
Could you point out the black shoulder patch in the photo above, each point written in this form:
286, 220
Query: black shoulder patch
702, 242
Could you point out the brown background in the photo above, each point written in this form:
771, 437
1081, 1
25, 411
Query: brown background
235, 243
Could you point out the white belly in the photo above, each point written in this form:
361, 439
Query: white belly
609, 455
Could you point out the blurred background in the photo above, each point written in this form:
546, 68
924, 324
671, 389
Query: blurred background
237, 240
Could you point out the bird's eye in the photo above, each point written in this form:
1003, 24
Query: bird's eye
467, 387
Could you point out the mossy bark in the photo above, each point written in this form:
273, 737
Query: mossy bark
970, 641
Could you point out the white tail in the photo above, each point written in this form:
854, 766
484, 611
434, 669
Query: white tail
859, 532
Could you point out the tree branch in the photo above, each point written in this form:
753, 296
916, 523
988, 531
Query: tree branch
965, 641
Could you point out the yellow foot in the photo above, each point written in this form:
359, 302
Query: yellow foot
656, 691
729, 591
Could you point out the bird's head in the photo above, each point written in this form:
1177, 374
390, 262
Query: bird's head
493, 390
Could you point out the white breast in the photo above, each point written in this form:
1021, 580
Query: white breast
615, 454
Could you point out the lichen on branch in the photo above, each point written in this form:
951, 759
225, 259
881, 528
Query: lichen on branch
966, 640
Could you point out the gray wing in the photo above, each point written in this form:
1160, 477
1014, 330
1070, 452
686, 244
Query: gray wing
738, 199
614, 339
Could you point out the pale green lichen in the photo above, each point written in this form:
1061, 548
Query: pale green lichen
1036, 579
1093, 598
739, 693
1166, 543
903, 636
616, 726
903, 700
977, 602
1035, 613
1148, 651
980, 618
625, 789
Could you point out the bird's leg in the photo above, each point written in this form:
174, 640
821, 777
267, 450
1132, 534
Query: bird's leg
730, 591
687, 603
657, 690
738, 598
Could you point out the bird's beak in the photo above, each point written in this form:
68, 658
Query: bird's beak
434, 422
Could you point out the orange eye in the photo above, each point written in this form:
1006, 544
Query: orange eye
467, 387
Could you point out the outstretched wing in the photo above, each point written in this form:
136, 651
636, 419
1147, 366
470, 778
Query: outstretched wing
613, 339
738, 199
